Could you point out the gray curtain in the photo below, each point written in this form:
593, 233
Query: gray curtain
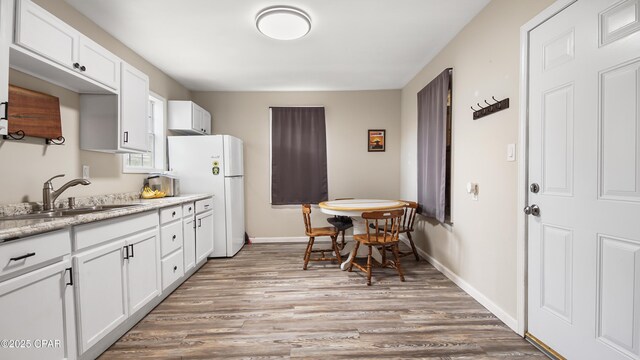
298, 155
432, 146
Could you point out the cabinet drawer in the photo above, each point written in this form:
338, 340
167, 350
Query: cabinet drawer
32, 251
98, 232
204, 205
171, 237
171, 213
172, 269
188, 209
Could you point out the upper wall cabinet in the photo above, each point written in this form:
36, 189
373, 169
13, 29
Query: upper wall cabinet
6, 25
187, 117
50, 38
109, 126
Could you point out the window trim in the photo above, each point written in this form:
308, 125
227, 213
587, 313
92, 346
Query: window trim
159, 156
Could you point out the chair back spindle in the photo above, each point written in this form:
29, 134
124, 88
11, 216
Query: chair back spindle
306, 214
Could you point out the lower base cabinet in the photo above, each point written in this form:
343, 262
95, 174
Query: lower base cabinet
204, 235
101, 292
37, 317
189, 244
116, 279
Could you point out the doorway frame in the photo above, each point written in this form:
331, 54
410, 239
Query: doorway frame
523, 165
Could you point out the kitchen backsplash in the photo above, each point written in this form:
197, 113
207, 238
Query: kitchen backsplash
28, 207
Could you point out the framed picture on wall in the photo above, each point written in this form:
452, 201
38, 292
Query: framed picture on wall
375, 140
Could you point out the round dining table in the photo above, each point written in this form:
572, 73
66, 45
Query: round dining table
354, 209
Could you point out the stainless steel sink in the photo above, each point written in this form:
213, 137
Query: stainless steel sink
52, 214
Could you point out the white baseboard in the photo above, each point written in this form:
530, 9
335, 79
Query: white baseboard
477, 295
293, 239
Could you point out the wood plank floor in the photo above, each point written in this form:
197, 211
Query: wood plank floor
261, 304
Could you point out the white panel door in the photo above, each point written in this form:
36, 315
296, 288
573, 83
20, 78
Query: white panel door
6, 31
234, 198
101, 296
134, 105
204, 235
143, 269
44, 34
584, 155
37, 306
98, 63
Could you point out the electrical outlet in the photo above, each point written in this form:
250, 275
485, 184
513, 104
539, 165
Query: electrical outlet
85, 172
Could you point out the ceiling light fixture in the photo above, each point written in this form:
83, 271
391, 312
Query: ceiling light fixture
283, 23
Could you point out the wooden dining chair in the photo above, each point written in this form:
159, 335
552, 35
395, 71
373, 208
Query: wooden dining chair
388, 223
341, 223
313, 233
406, 226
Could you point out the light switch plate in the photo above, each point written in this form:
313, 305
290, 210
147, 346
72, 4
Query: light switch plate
85, 172
511, 152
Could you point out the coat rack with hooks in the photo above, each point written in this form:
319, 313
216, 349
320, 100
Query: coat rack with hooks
498, 105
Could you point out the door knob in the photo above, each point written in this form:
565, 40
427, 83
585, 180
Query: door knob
535, 210
534, 188
532, 210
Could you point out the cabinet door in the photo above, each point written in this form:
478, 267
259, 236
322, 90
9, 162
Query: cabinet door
204, 235
143, 269
134, 104
206, 122
189, 243
6, 30
196, 117
98, 63
46, 35
101, 292
38, 306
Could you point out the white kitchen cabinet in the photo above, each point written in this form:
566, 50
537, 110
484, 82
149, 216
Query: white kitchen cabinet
143, 269
134, 103
41, 32
187, 117
6, 31
51, 38
118, 273
117, 123
204, 235
189, 242
37, 314
98, 63
101, 297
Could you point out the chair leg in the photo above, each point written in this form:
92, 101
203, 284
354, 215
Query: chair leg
355, 254
413, 247
397, 256
369, 267
307, 254
384, 255
334, 243
342, 245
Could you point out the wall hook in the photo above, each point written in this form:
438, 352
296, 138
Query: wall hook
491, 108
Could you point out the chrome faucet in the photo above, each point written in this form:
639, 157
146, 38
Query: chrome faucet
49, 195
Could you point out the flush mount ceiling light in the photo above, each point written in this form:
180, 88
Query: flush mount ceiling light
283, 23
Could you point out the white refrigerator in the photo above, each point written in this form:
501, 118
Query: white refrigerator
213, 164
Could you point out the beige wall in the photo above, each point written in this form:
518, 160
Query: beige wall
29, 163
352, 171
480, 248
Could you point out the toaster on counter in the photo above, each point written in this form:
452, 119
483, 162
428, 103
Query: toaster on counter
168, 184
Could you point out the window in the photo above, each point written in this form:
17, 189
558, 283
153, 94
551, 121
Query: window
434, 148
298, 155
154, 159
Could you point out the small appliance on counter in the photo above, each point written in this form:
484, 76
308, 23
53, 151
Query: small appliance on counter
165, 183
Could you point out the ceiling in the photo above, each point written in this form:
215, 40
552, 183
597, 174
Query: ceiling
210, 45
